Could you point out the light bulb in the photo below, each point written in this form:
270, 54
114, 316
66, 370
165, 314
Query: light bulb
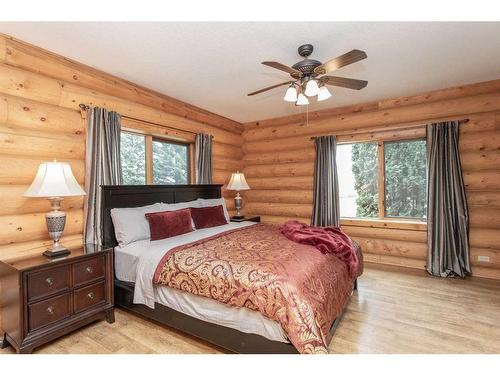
311, 88
302, 100
291, 94
323, 93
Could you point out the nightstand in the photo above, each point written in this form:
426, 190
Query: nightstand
255, 219
44, 298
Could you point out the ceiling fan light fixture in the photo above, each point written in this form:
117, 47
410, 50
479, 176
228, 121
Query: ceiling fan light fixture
302, 100
312, 88
323, 93
291, 94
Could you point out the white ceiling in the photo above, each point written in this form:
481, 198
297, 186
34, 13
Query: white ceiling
214, 65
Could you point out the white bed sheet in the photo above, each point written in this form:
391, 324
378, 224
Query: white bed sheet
137, 262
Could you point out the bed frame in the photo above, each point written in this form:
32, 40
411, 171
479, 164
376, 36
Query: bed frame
118, 196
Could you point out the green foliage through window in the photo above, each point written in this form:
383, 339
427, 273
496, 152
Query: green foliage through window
170, 163
405, 179
133, 158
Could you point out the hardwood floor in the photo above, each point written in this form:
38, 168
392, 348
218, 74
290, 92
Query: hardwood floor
394, 311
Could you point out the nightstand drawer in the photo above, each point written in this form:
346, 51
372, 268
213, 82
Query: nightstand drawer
45, 283
49, 311
89, 296
88, 271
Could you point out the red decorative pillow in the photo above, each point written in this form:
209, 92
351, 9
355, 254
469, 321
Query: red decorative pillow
207, 217
169, 223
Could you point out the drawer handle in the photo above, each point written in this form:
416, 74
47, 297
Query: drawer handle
49, 281
50, 310
89, 269
91, 296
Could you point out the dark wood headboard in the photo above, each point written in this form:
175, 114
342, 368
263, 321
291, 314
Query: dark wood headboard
119, 196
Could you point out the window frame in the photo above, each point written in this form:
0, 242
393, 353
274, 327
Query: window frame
148, 140
381, 181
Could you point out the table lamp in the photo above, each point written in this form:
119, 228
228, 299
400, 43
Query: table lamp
238, 183
54, 180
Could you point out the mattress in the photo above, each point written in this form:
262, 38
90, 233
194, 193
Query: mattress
130, 263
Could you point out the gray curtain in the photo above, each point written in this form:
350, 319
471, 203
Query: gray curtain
102, 166
203, 161
326, 189
448, 219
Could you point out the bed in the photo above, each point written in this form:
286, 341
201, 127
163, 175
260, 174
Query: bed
240, 330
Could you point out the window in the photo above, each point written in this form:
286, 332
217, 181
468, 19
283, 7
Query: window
170, 163
384, 179
133, 158
148, 160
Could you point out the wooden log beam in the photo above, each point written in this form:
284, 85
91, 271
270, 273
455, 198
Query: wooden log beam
23, 55
14, 202
30, 114
20, 170
421, 112
18, 228
280, 196
279, 209
281, 183
24, 84
407, 249
483, 198
280, 170
482, 180
386, 233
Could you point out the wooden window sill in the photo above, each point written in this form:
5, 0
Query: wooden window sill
409, 224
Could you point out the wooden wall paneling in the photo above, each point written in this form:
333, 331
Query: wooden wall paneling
25, 56
437, 95
280, 170
18, 228
21, 170
14, 202
29, 114
33, 86
420, 112
53, 147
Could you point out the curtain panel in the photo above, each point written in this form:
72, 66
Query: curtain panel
326, 211
448, 218
102, 166
203, 158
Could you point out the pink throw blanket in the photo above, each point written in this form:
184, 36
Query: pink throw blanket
328, 240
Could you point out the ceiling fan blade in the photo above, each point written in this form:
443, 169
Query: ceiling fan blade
355, 84
270, 87
284, 68
347, 58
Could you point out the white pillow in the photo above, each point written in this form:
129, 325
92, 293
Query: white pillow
215, 202
130, 223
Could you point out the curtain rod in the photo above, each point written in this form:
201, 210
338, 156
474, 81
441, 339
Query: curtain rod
414, 126
85, 107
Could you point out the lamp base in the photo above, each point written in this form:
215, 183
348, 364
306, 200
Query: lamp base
57, 253
238, 217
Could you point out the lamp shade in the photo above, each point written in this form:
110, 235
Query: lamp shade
291, 94
302, 100
311, 88
323, 94
54, 179
238, 182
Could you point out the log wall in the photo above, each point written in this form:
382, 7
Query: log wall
40, 120
279, 161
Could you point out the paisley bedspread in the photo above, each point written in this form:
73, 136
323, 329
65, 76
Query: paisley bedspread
258, 268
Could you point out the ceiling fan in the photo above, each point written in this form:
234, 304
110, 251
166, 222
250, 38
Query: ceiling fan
306, 76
